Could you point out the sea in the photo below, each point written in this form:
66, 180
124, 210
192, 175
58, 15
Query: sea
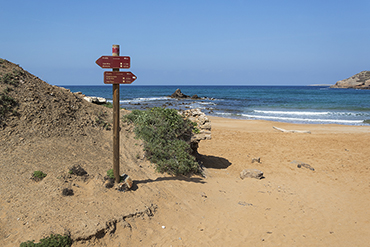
293, 104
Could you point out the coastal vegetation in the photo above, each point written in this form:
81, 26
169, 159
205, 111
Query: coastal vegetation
108, 104
110, 174
54, 240
7, 103
38, 175
166, 136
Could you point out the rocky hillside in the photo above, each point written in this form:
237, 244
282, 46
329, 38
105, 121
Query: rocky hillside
30, 107
47, 128
358, 81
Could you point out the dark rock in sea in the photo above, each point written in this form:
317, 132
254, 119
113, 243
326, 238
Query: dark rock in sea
358, 81
179, 95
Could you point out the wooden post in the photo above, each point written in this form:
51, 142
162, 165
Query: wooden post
116, 125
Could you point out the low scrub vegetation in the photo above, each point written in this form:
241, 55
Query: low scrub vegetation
166, 136
38, 175
53, 240
7, 103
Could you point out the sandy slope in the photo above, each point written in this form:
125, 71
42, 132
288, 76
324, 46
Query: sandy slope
291, 207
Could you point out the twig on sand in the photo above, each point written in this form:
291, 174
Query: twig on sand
292, 131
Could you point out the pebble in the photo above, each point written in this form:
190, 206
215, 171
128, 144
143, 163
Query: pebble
163, 227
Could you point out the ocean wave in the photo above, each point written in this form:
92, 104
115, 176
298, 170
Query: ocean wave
138, 100
292, 119
292, 112
206, 103
150, 99
225, 113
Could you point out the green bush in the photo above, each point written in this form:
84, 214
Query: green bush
39, 174
108, 104
11, 78
7, 103
166, 136
110, 173
52, 241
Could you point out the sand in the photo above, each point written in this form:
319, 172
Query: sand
291, 206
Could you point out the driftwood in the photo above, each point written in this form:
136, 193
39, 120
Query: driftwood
292, 131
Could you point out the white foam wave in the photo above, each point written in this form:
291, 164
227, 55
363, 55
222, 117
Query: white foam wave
150, 99
223, 113
304, 119
206, 103
292, 112
137, 100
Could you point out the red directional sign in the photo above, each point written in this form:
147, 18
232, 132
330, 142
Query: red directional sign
110, 62
118, 77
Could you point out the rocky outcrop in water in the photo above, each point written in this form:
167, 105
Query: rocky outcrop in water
358, 81
179, 95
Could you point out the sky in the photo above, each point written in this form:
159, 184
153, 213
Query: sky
193, 42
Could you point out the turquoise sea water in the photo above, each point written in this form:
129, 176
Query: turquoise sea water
296, 104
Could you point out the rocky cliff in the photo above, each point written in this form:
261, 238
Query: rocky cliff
358, 81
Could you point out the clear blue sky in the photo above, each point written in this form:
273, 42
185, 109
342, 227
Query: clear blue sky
193, 42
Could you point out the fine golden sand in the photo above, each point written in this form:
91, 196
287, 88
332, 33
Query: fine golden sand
291, 206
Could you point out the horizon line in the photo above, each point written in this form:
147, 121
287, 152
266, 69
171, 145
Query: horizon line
191, 85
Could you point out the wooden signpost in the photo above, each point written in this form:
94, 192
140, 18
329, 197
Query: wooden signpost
109, 62
116, 78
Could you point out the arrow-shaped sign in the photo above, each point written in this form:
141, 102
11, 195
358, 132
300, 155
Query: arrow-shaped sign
110, 62
118, 77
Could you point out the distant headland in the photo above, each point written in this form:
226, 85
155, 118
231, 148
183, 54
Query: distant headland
358, 81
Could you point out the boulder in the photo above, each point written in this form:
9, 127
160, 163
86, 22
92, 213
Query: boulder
77, 170
125, 184
95, 100
202, 128
251, 173
179, 95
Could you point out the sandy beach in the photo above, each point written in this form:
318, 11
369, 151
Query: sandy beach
291, 206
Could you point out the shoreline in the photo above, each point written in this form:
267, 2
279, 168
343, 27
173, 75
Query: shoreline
261, 125
306, 104
292, 204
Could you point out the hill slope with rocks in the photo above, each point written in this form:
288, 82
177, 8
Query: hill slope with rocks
359, 81
40, 109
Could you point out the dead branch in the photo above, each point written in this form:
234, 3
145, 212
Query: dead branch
292, 131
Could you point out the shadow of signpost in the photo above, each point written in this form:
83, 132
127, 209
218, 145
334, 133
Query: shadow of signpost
207, 161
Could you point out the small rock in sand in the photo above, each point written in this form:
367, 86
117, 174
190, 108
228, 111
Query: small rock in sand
251, 173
